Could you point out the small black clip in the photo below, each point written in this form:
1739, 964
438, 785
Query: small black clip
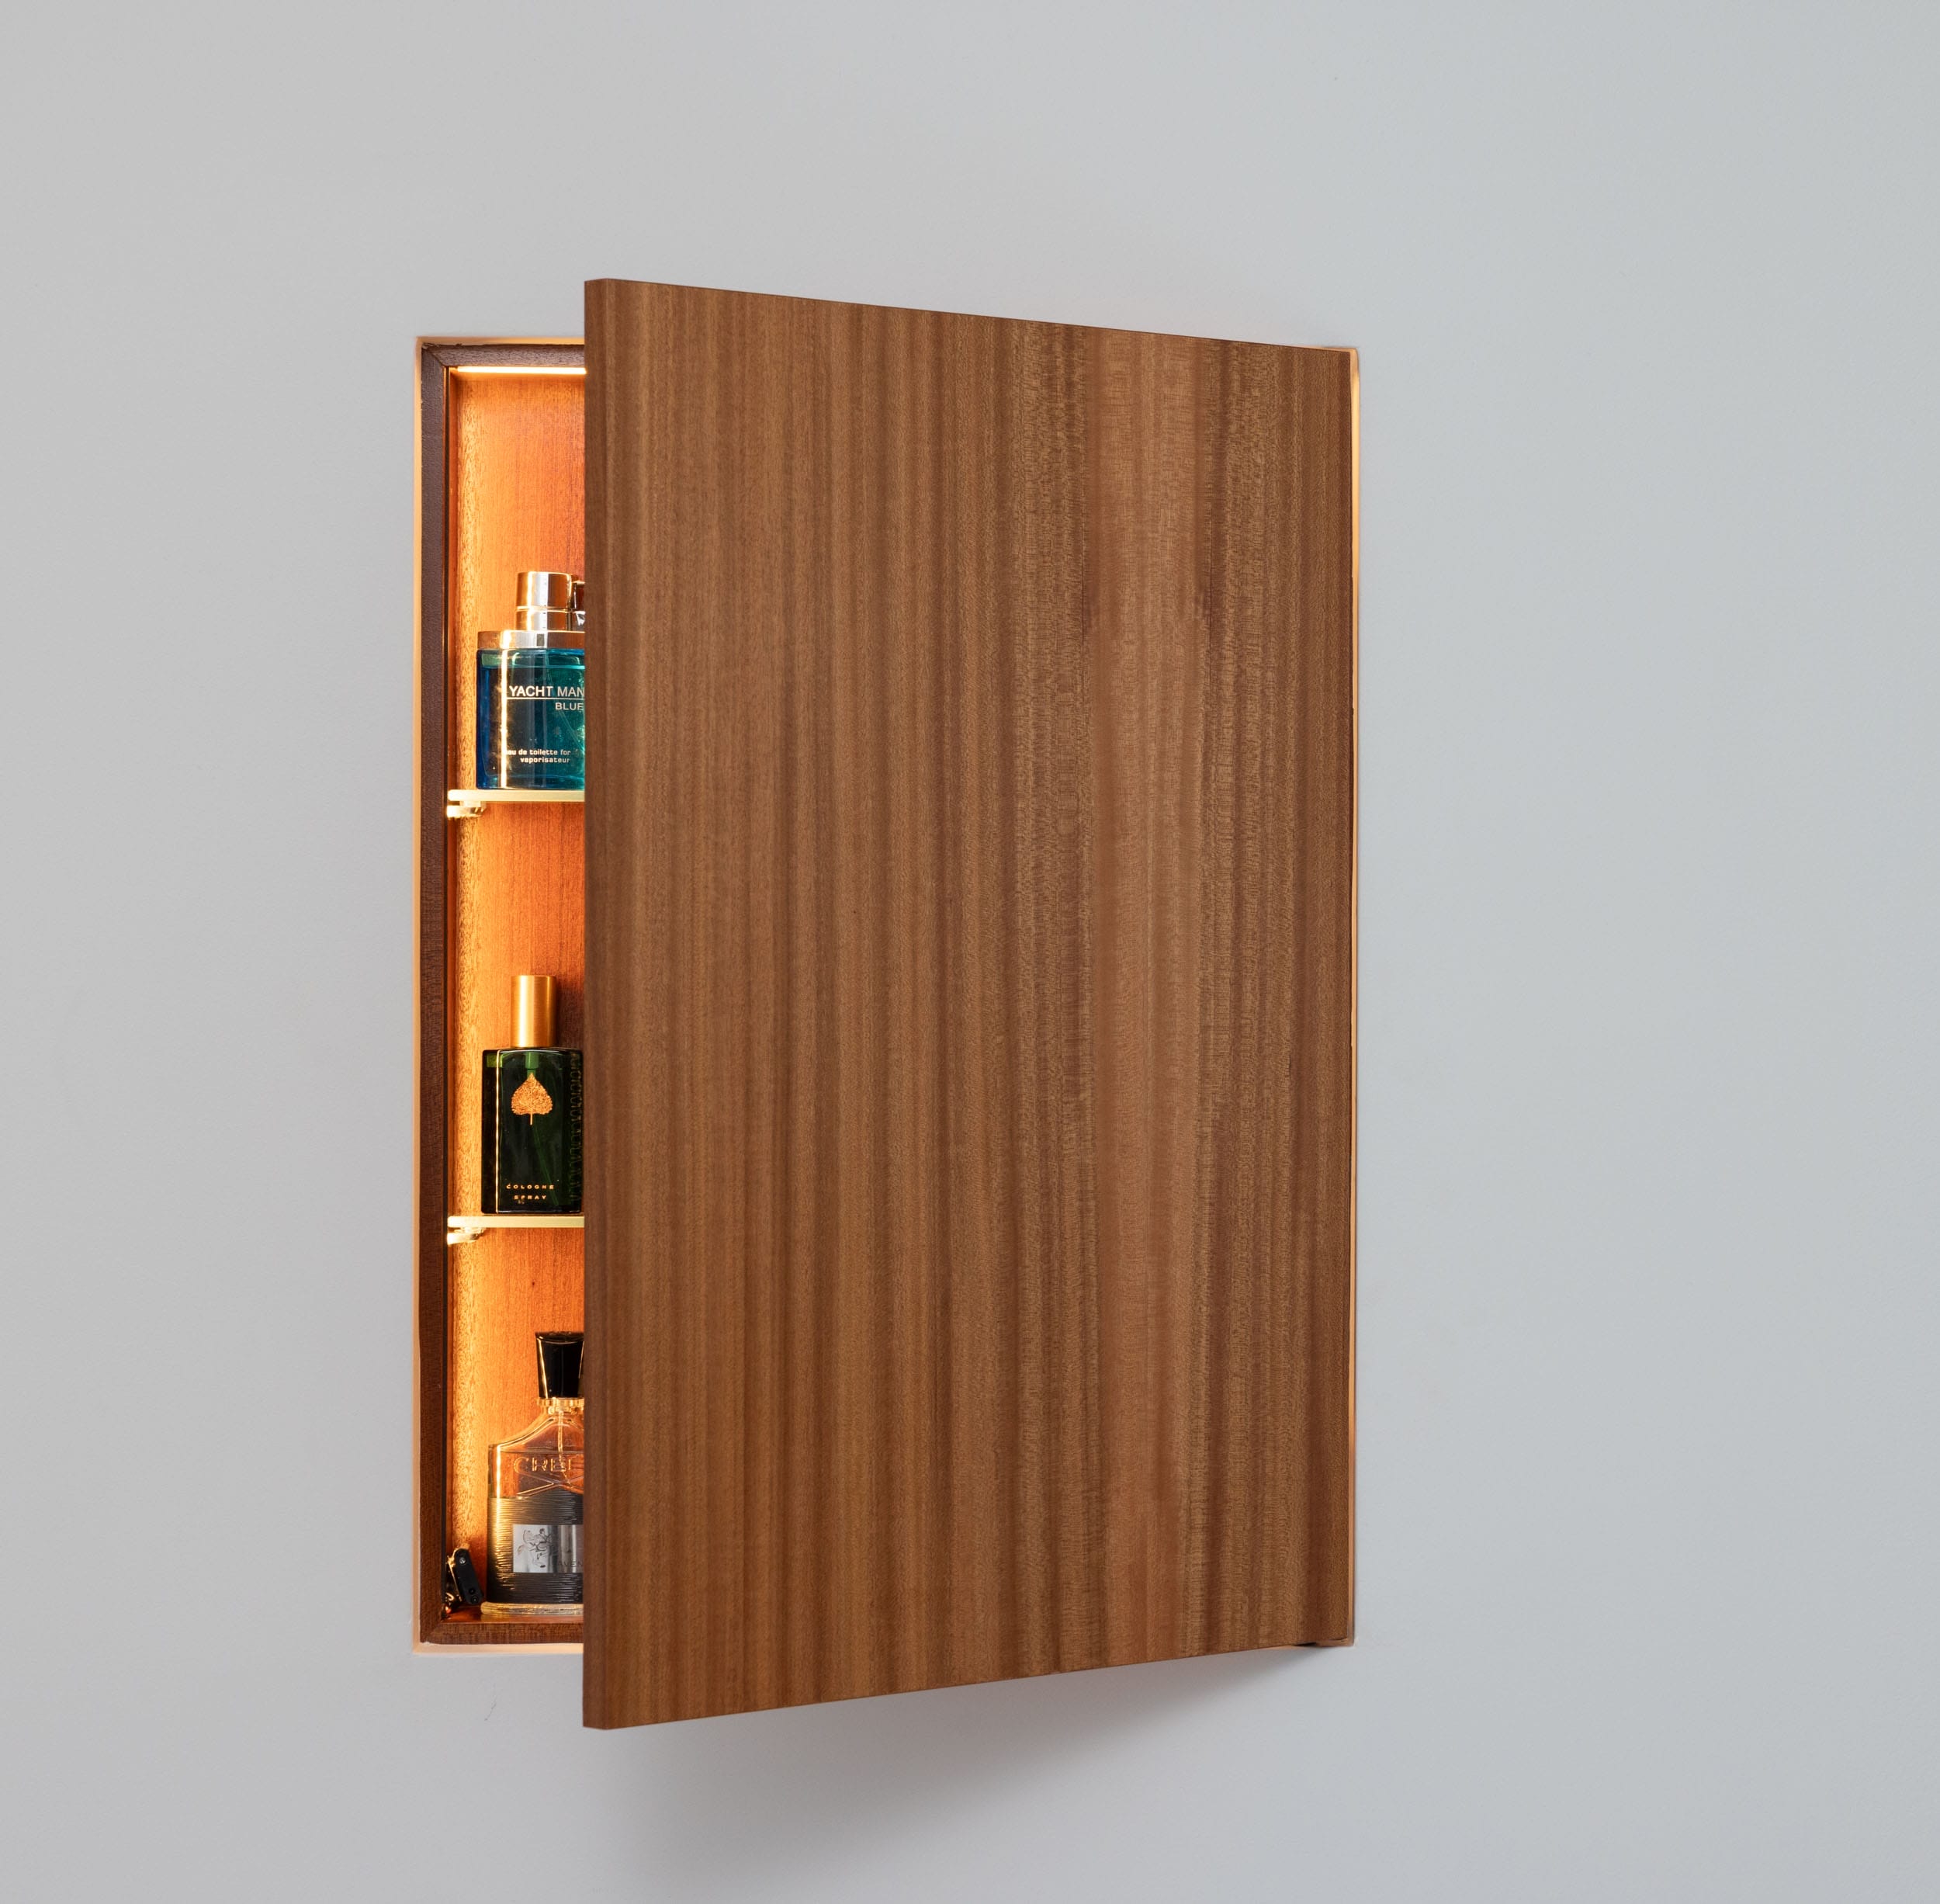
461, 1580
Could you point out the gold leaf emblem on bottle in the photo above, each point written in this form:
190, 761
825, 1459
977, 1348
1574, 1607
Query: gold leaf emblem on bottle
530, 1099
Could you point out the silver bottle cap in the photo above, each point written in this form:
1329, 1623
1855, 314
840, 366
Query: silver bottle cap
544, 616
545, 588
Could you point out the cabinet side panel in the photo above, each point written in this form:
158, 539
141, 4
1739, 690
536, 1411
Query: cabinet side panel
429, 1054
969, 999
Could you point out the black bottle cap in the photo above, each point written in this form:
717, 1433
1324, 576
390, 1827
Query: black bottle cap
461, 1580
558, 1362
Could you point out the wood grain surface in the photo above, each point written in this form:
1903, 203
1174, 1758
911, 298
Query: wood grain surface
970, 998
509, 468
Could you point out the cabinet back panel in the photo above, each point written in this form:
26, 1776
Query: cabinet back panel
515, 901
970, 999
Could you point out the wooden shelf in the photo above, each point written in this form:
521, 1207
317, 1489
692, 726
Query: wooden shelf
467, 1627
469, 1229
470, 803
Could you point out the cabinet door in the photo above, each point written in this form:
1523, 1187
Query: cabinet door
970, 998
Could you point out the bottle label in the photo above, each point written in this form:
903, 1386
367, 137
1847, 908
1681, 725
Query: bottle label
530, 1140
536, 1544
540, 1547
531, 718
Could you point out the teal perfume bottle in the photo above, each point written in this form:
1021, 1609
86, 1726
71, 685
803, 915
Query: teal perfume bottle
532, 690
532, 1105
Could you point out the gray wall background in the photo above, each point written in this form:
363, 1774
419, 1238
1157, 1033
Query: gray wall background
1645, 297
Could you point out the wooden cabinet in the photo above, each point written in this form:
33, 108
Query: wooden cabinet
968, 990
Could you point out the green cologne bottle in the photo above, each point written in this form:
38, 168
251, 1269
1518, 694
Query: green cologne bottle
533, 1101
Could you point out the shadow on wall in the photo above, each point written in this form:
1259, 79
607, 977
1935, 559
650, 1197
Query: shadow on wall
733, 1801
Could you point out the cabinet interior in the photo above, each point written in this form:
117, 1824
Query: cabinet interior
501, 488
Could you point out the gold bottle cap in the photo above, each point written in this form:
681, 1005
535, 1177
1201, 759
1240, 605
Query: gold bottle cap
534, 1011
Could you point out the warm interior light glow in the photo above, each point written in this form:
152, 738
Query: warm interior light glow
517, 370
